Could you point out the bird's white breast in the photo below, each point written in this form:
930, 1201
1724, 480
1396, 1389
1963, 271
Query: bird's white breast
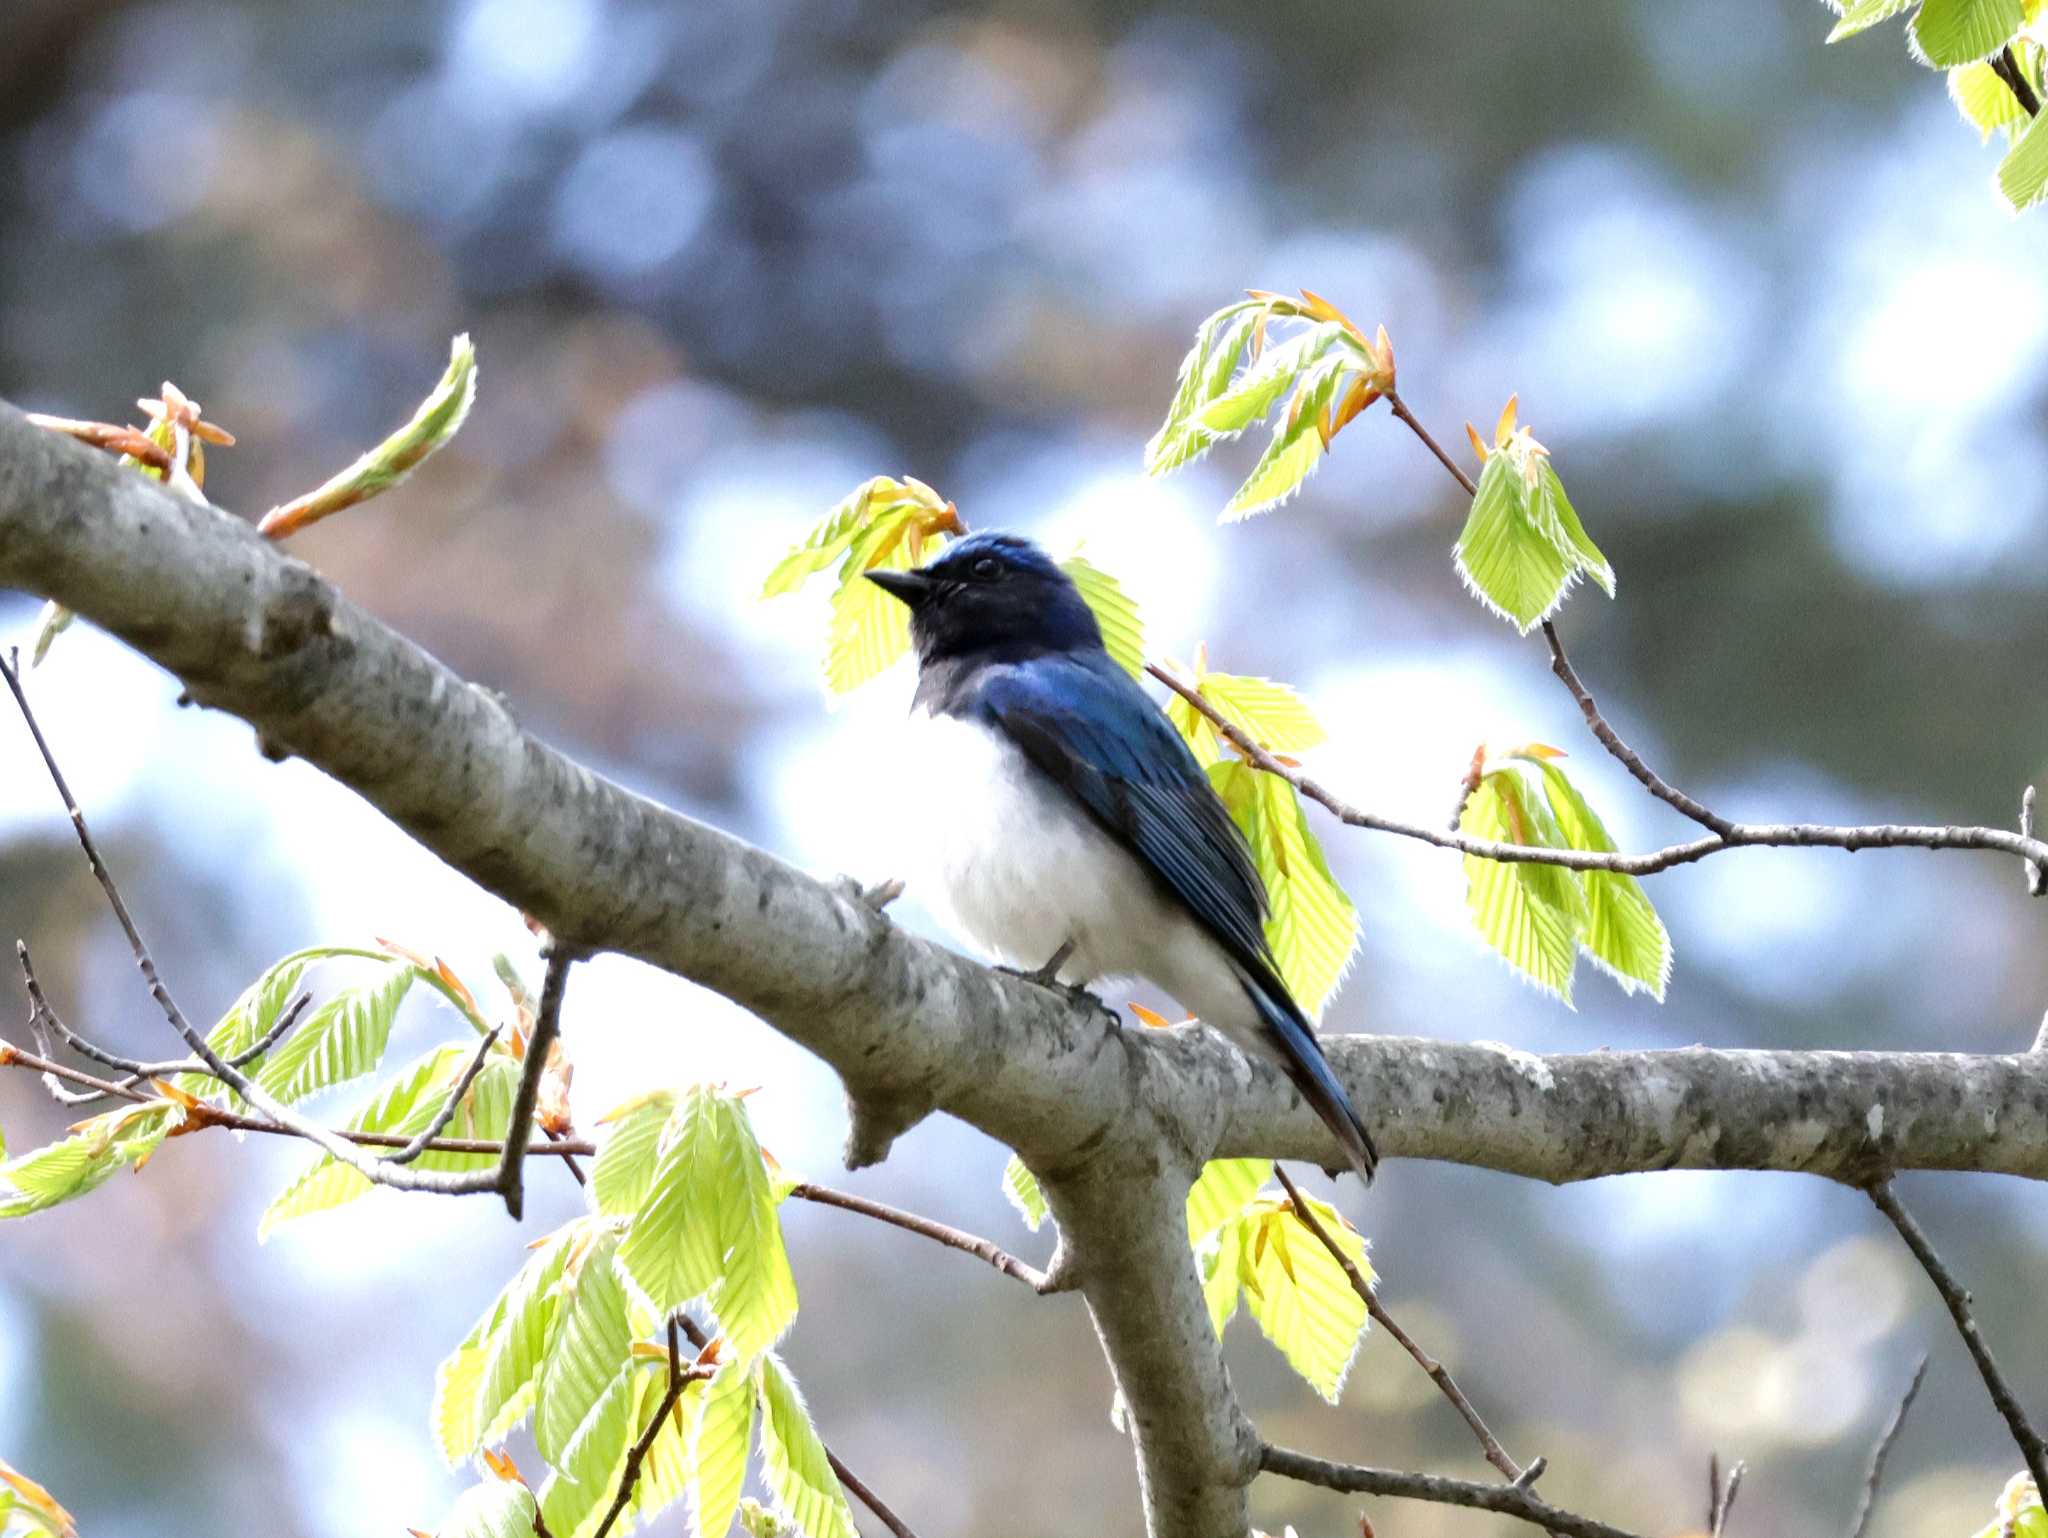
1017, 867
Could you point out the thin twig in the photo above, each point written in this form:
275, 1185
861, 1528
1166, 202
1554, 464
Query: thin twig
1508, 1499
1882, 1451
378, 1171
1958, 1301
867, 1497
1740, 835
547, 1026
1438, 1373
1721, 1493
2007, 68
1630, 759
953, 1238
2034, 871
679, 1378
138, 1071
1457, 471
450, 1103
12, 1056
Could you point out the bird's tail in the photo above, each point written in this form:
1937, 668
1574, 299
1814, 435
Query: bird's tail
1301, 1056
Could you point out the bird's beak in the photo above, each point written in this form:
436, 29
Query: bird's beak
913, 587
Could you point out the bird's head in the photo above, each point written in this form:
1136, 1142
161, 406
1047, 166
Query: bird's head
992, 595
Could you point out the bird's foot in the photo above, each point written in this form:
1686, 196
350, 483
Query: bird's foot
1048, 976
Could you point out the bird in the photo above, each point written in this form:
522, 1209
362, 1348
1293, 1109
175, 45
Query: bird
1079, 836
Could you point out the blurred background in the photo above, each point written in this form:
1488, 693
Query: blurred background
723, 261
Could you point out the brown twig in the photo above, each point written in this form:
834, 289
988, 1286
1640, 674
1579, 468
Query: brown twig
953, 1238
1630, 759
2007, 68
679, 1378
1739, 835
450, 1103
1958, 1301
1438, 1373
1458, 474
547, 1025
867, 1497
1883, 1450
1511, 1500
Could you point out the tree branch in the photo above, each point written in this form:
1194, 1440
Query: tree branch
547, 1025
1957, 1300
2007, 68
1509, 1500
953, 1238
1868, 1503
1801, 835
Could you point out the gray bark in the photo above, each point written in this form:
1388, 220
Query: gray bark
1114, 1120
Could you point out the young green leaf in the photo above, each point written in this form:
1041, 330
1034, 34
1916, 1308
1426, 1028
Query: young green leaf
88, 1158
1298, 445
494, 1508
1270, 713
344, 1039
2023, 173
1623, 933
674, 1247
1985, 100
515, 1336
1590, 562
2020, 1513
1299, 1294
1530, 913
1204, 375
1021, 1187
756, 1298
1513, 556
1221, 1193
793, 1459
1947, 33
624, 1167
586, 1352
406, 1106
439, 417
22, 1499
1861, 15
1123, 632
1312, 925
721, 1431
250, 1018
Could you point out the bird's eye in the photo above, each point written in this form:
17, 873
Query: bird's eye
985, 568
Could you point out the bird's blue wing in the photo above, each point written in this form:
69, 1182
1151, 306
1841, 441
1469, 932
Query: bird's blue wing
1084, 723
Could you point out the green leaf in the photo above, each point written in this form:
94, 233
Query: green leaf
586, 1352
1263, 382
1530, 913
1123, 632
1951, 32
1985, 101
757, 1521
756, 1299
344, 1039
513, 1339
496, 1508
2023, 173
1623, 934
54, 620
406, 1105
1221, 1193
439, 417
708, 1226
1271, 714
1298, 1292
1204, 375
1591, 562
117, 1140
250, 1018
720, 1433
673, 1249
1515, 561
1864, 14
665, 1474
1021, 1187
624, 1167
1297, 446
793, 1458
1312, 926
